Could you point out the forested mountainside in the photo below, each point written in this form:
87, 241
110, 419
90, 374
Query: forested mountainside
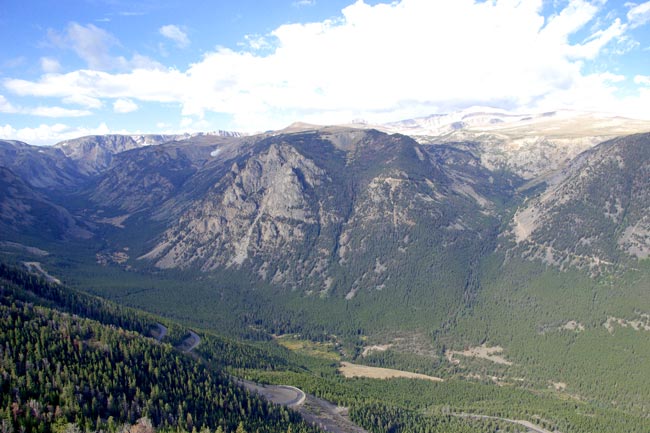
329, 212
73, 362
29, 213
99, 369
426, 255
597, 214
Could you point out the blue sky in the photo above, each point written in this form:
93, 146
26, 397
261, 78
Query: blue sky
72, 68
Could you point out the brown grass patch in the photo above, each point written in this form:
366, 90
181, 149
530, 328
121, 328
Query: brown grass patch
349, 370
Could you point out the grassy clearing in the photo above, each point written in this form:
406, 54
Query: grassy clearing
324, 350
349, 370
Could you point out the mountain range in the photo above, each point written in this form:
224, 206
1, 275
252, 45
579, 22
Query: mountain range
330, 195
432, 237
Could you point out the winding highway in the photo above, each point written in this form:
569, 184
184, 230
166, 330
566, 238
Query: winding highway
319, 412
532, 428
162, 331
191, 342
284, 395
314, 410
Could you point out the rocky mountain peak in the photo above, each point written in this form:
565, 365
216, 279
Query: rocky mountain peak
261, 203
301, 209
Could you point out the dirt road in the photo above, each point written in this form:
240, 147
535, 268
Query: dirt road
328, 416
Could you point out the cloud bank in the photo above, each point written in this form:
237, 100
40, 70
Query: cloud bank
380, 63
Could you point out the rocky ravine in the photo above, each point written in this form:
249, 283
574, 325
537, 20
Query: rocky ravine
596, 214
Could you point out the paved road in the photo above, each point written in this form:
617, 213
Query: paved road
284, 395
532, 428
314, 410
190, 342
162, 331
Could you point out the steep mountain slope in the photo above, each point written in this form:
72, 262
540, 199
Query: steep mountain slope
598, 214
145, 177
425, 254
27, 212
40, 167
530, 145
335, 210
99, 369
95, 153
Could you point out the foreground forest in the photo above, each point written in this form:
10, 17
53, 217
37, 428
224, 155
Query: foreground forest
73, 361
99, 371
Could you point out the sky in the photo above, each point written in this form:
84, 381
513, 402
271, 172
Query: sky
74, 68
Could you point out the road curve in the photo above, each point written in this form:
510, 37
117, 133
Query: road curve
190, 342
529, 425
162, 332
314, 410
284, 395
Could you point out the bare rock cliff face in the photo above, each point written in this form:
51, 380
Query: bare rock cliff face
255, 212
529, 145
144, 178
334, 210
95, 153
598, 214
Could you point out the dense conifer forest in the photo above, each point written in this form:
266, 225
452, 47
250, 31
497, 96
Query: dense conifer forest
71, 359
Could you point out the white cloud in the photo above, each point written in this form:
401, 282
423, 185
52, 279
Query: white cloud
594, 45
643, 80
49, 134
639, 15
94, 45
83, 100
256, 42
15, 62
623, 45
300, 3
6, 106
55, 112
380, 62
131, 14
124, 106
91, 43
598, 92
9, 108
50, 65
174, 33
